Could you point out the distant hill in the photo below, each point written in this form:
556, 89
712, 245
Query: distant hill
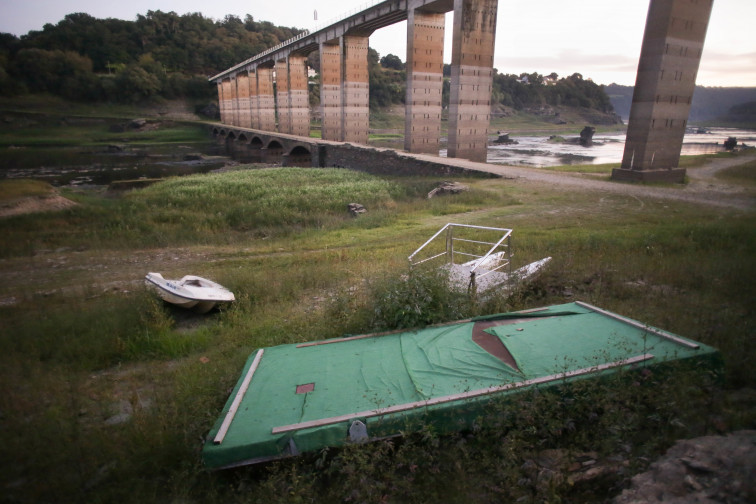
709, 103
743, 114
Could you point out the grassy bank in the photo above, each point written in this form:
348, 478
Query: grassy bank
108, 393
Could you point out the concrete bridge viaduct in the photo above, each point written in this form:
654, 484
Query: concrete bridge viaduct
671, 51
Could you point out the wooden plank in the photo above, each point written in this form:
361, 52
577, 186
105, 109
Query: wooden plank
237, 400
456, 397
638, 325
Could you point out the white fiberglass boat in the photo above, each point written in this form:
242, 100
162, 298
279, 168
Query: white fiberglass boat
197, 293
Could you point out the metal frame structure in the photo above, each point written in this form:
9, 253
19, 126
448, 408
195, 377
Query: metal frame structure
450, 252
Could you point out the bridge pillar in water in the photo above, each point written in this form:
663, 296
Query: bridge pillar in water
283, 106
265, 99
670, 54
355, 89
299, 96
425, 64
471, 78
330, 91
242, 90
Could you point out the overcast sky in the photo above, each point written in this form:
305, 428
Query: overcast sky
599, 38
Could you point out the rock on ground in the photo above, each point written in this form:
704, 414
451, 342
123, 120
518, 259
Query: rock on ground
710, 469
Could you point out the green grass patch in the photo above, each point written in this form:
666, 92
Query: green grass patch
108, 392
744, 174
28, 131
20, 188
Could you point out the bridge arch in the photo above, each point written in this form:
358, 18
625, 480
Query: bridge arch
299, 155
274, 151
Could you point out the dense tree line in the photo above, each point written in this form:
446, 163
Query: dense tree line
520, 92
167, 55
159, 54
535, 90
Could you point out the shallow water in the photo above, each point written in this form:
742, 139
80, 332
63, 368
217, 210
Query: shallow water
65, 166
61, 166
538, 151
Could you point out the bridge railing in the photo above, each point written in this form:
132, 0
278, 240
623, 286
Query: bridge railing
300, 36
345, 15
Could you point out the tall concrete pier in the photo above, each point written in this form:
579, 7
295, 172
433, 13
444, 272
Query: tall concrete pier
671, 51
425, 79
355, 89
245, 92
471, 78
672, 45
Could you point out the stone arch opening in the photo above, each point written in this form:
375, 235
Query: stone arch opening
273, 152
299, 156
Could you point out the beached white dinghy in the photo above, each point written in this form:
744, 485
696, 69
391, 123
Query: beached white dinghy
197, 293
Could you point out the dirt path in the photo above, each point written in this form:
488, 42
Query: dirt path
703, 187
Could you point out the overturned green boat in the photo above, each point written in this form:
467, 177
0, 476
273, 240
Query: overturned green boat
303, 397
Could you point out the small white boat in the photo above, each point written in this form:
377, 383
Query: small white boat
197, 293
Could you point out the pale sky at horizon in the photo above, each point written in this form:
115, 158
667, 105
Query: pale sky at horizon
601, 39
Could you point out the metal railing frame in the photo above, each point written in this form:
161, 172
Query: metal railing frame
450, 252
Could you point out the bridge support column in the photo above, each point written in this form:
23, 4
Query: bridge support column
299, 96
472, 78
425, 64
242, 91
221, 104
330, 92
355, 89
227, 107
234, 101
254, 106
265, 99
670, 54
283, 106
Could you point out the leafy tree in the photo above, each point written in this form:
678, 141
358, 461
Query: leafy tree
135, 84
386, 87
528, 90
392, 61
59, 72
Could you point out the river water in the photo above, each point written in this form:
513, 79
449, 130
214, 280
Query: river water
68, 166
539, 151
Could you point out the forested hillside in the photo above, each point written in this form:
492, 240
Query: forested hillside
165, 55
159, 54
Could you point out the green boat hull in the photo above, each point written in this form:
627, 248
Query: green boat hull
297, 398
